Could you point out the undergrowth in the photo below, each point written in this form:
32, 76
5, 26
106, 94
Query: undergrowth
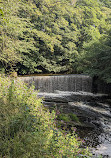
28, 130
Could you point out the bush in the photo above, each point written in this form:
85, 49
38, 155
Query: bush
28, 130
74, 117
68, 117
64, 117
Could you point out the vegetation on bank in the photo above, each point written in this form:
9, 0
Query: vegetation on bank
28, 130
50, 36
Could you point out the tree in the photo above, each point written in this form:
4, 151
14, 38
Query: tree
8, 41
97, 58
49, 36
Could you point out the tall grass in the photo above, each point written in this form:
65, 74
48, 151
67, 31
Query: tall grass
28, 130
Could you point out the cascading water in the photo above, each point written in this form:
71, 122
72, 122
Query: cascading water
73, 92
60, 82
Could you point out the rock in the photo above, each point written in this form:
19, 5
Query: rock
77, 124
66, 96
93, 112
53, 97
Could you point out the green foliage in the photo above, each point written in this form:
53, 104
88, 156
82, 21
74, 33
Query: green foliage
64, 117
8, 41
106, 3
27, 129
68, 117
74, 117
97, 58
50, 36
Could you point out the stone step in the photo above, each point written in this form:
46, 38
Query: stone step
66, 96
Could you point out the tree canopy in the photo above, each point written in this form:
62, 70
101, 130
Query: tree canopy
52, 36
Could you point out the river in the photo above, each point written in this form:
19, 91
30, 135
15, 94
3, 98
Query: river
73, 93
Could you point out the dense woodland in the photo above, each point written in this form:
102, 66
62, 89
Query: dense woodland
56, 36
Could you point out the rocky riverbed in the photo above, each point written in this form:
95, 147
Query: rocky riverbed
94, 114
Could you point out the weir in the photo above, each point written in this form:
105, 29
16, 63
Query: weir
50, 84
84, 97
72, 94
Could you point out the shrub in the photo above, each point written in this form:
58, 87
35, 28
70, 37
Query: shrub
64, 117
74, 117
28, 130
68, 117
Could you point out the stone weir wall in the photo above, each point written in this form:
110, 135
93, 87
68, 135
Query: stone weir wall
60, 82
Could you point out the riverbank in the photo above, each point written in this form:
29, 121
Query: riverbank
93, 123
